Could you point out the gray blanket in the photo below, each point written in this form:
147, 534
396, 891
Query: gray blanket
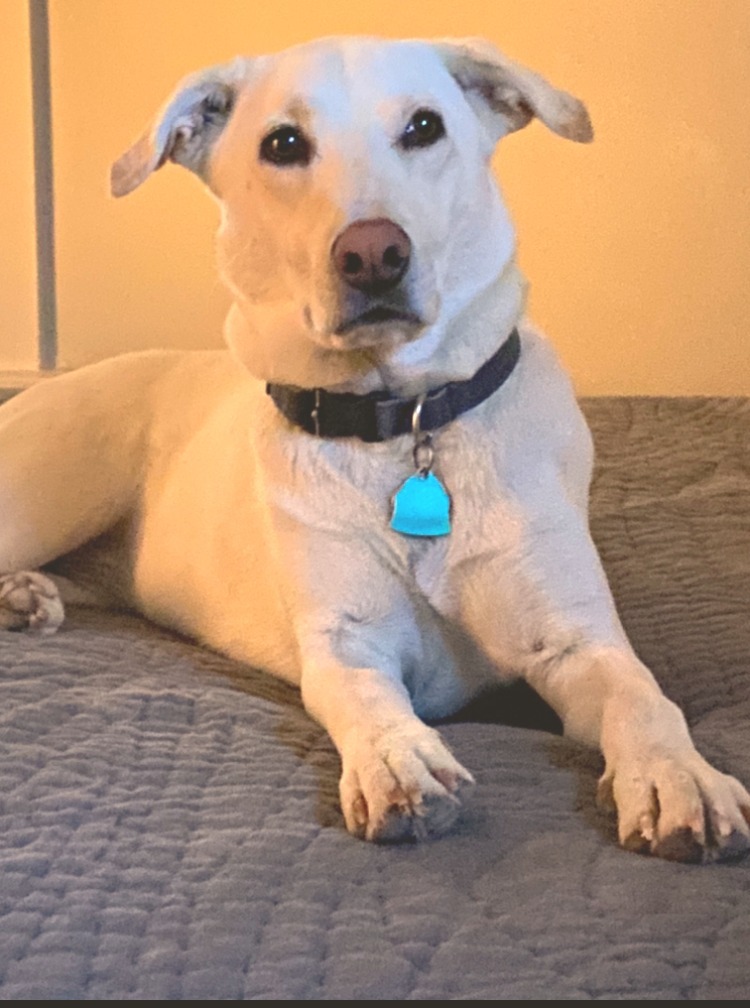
170, 825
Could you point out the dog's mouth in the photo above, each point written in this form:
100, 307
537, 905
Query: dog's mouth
379, 315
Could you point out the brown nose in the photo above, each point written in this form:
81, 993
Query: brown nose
372, 255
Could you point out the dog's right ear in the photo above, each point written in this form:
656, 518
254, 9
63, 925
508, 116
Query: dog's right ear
186, 129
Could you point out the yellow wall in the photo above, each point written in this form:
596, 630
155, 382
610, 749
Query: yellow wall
636, 247
18, 318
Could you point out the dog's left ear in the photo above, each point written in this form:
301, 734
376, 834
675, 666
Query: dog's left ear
186, 128
506, 95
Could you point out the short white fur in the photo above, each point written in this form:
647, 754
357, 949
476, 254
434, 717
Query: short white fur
169, 482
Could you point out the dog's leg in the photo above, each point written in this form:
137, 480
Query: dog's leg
360, 643
398, 781
66, 475
64, 470
555, 623
668, 799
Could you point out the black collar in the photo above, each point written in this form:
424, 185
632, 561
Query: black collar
379, 416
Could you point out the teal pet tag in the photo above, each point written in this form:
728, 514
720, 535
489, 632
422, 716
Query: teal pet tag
421, 507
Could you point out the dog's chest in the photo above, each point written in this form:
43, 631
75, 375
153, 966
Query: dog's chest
499, 468
355, 486
487, 520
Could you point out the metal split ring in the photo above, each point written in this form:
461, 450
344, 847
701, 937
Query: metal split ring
423, 454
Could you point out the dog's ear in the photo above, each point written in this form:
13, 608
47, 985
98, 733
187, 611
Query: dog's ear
185, 129
507, 96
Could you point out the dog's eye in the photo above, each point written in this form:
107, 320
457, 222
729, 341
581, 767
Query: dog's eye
286, 145
424, 128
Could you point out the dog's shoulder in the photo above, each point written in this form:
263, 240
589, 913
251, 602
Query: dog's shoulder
529, 440
537, 409
551, 424
544, 381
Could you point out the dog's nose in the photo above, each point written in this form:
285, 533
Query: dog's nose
372, 255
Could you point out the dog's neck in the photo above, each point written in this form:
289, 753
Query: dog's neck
453, 350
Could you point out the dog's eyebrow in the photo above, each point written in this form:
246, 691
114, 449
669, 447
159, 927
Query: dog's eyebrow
296, 110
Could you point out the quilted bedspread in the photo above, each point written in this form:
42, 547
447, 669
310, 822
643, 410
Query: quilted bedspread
169, 825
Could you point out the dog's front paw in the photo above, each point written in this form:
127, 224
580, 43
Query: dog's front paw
401, 783
30, 601
678, 807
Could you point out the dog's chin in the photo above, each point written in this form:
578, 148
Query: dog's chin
378, 327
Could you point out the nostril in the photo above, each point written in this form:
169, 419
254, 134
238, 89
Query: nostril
392, 257
353, 263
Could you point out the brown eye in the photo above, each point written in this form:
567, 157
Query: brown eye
286, 145
423, 129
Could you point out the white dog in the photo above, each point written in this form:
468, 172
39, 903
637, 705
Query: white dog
400, 517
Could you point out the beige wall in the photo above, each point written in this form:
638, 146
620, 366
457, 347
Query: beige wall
637, 247
18, 318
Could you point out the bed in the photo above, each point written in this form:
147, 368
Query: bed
170, 827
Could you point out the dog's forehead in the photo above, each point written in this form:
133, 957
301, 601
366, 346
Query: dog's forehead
353, 73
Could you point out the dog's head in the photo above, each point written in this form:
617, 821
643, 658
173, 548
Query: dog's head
358, 204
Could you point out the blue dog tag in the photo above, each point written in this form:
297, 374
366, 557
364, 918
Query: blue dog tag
421, 507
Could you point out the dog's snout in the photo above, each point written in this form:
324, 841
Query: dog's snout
372, 255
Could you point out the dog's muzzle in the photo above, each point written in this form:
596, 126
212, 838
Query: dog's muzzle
370, 259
